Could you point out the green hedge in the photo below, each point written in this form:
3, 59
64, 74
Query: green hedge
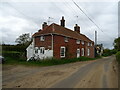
13, 54
118, 57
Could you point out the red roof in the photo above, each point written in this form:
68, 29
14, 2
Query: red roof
57, 29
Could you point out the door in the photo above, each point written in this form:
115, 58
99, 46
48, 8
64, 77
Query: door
78, 53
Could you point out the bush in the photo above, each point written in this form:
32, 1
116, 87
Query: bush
118, 57
13, 54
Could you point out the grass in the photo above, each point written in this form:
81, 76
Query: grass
47, 62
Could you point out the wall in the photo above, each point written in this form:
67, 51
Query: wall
47, 43
30, 51
71, 47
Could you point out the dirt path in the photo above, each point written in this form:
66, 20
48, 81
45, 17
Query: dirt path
100, 73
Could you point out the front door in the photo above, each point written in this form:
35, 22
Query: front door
78, 53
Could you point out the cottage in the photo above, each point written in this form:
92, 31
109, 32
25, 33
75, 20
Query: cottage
60, 42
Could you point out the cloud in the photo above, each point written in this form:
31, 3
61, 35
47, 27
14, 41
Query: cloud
17, 18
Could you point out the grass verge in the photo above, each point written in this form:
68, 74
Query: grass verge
47, 62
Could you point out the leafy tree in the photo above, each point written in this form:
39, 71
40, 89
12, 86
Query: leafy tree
23, 39
117, 44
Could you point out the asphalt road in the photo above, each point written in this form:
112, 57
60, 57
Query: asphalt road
101, 73
75, 78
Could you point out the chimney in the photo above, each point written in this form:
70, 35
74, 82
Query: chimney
62, 22
44, 25
77, 28
39, 30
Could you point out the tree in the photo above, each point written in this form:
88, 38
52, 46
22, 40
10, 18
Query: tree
117, 44
23, 39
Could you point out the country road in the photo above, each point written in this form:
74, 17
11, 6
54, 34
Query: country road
101, 73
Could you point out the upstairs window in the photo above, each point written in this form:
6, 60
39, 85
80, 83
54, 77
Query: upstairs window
88, 43
82, 42
91, 44
66, 39
78, 41
42, 38
62, 52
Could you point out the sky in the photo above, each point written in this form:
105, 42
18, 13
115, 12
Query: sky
19, 17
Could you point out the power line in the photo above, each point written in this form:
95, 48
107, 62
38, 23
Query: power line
90, 18
87, 16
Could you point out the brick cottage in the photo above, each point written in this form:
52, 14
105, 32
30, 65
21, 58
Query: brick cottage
59, 42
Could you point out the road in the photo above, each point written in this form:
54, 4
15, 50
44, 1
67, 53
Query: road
101, 73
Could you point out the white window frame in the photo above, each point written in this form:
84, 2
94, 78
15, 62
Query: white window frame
88, 52
82, 42
42, 38
78, 41
66, 39
82, 52
42, 50
91, 44
62, 56
88, 43
36, 50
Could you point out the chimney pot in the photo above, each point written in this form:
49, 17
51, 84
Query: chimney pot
77, 28
62, 22
44, 25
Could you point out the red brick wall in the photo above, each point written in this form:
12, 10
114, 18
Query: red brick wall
47, 43
59, 41
71, 47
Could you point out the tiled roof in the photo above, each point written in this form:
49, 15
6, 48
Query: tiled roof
57, 29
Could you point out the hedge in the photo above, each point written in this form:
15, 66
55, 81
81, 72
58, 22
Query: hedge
13, 54
118, 57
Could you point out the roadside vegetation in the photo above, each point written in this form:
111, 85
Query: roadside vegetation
46, 62
118, 57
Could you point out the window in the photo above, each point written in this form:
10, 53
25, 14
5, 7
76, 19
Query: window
66, 39
42, 38
88, 52
42, 50
82, 42
88, 43
91, 44
78, 41
82, 51
62, 52
36, 49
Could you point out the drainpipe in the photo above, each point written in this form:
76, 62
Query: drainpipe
52, 42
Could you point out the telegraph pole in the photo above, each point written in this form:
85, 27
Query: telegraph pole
95, 37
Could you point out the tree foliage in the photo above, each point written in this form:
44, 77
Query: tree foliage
117, 44
23, 39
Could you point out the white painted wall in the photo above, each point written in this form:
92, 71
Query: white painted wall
31, 53
47, 54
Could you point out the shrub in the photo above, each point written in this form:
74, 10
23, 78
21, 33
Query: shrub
118, 57
13, 54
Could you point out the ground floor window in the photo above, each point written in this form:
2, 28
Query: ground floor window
62, 52
82, 52
36, 49
42, 50
88, 52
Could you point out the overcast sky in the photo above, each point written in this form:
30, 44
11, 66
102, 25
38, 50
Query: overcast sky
17, 18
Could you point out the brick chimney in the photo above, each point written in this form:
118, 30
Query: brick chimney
44, 25
62, 22
77, 28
